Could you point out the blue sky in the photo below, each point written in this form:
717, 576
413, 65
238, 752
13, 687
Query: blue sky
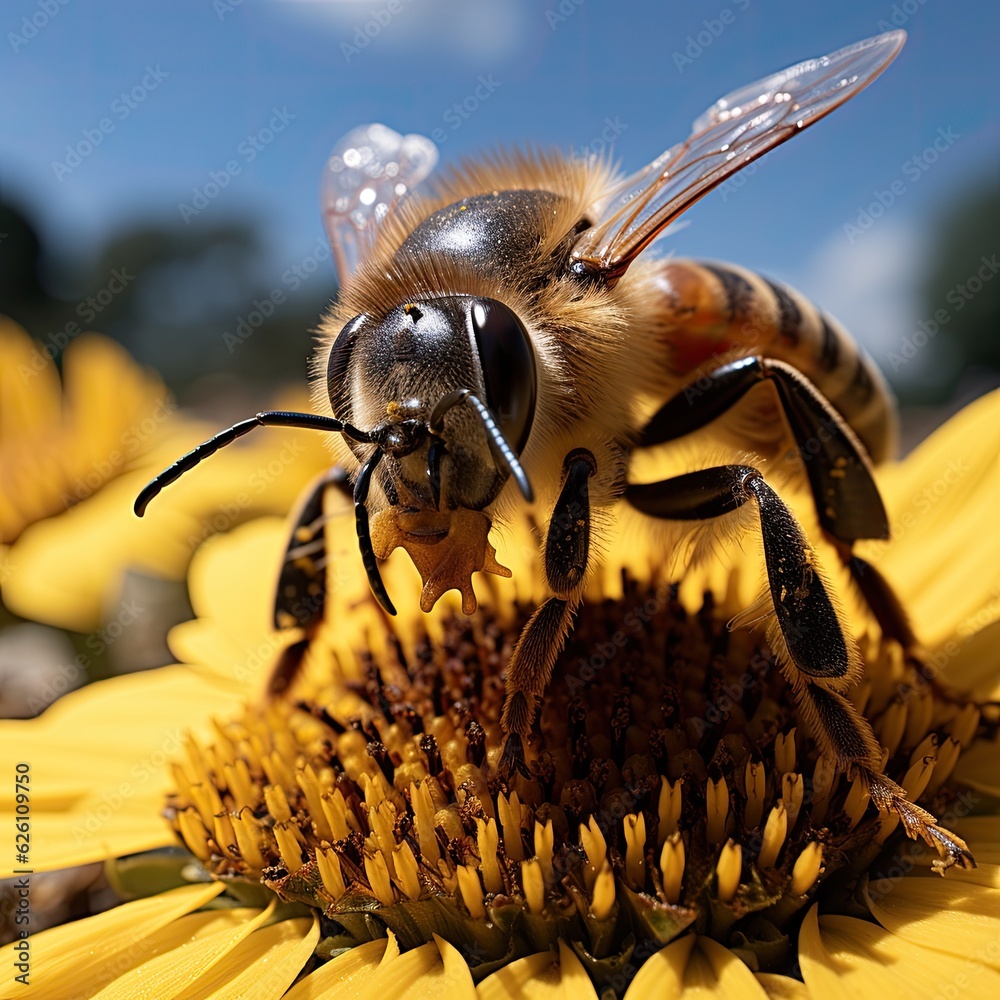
199, 77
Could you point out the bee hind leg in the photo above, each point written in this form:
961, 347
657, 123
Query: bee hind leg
811, 643
567, 548
808, 622
839, 470
847, 499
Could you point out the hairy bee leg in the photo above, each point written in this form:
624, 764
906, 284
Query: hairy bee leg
300, 597
528, 675
845, 737
567, 548
567, 543
840, 475
301, 591
805, 614
818, 654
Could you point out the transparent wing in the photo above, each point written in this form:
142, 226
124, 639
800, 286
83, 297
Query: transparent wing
370, 170
732, 133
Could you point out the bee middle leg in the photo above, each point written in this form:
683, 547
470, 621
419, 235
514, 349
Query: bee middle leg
813, 649
567, 549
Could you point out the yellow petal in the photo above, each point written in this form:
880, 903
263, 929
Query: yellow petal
524, 979
538, 977
29, 385
982, 834
70, 567
972, 658
57, 953
979, 767
944, 915
431, 970
457, 979
262, 966
347, 977
695, 967
61, 442
184, 952
783, 987
98, 761
843, 957
714, 971
663, 972
941, 503
231, 584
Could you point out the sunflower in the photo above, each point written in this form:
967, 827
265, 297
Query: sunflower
678, 832
75, 451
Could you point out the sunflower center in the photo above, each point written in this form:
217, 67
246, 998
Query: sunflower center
669, 787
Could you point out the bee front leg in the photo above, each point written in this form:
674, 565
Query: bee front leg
810, 641
567, 548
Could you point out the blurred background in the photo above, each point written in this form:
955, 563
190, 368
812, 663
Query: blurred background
159, 162
159, 169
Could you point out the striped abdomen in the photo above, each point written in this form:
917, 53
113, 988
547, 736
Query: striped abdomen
717, 313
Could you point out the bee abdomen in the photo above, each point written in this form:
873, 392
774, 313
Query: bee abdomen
717, 313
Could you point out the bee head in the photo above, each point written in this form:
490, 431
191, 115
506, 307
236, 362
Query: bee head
446, 387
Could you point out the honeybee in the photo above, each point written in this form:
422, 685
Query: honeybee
465, 369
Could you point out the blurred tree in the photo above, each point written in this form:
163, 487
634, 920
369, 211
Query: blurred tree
192, 301
962, 289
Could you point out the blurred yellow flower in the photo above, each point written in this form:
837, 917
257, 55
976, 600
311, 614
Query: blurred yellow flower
678, 834
73, 456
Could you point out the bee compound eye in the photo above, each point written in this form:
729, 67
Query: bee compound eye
507, 359
337, 385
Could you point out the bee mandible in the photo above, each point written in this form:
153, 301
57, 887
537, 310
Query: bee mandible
465, 369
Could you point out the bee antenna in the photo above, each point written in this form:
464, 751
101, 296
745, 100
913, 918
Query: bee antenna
503, 454
269, 418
